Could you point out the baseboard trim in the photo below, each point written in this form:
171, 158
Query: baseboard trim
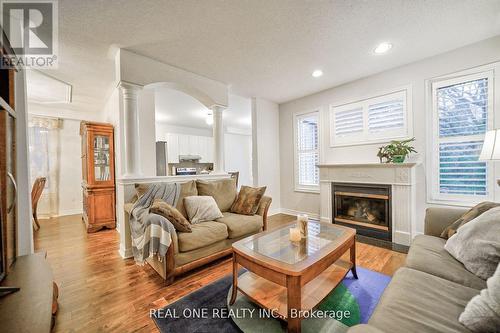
297, 212
125, 253
70, 212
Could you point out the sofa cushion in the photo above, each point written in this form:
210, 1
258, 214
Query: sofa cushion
477, 244
467, 217
240, 225
248, 200
416, 301
223, 191
427, 254
202, 234
162, 208
187, 189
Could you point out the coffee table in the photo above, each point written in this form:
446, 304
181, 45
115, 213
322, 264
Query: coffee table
292, 278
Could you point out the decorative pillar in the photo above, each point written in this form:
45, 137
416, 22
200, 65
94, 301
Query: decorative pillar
131, 158
218, 138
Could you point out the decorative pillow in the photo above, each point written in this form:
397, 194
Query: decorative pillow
187, 189
223, 191
482, 313
162, 208
201, 208
467, 217
248, 200
477, 244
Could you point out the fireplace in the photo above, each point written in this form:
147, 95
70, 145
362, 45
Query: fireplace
365, 207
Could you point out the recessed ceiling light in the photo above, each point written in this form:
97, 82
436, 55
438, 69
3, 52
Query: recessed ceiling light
317, 73
383, 48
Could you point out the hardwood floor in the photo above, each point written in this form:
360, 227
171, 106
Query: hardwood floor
101, 292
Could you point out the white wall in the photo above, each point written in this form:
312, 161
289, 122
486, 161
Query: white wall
238, 156
70, 172
163, 128
415, 74
266, 148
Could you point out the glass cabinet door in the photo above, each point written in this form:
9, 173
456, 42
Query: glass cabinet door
102, 166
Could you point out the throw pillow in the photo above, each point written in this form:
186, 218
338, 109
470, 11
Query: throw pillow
248, 200
223, 191
201, 208
482, 313
162, 208
477, 244
467, 217
187, 189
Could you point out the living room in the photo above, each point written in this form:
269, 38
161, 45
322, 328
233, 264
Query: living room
230, 166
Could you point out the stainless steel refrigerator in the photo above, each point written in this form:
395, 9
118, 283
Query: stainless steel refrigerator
161, 158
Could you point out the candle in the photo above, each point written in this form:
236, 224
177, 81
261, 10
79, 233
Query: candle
302, 220
295, 234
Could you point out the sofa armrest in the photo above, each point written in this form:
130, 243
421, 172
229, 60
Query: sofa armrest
438, 218
128, 208
364, 328
265, 203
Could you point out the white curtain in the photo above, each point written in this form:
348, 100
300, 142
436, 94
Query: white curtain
44, 142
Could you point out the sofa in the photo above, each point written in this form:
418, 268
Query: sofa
430, 292
209, 240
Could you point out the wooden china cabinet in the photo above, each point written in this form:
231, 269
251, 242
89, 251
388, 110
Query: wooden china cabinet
98, 170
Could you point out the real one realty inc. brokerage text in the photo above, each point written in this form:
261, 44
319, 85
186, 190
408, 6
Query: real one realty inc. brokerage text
222, 313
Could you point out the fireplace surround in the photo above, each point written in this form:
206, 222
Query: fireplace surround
365, 207
399, 177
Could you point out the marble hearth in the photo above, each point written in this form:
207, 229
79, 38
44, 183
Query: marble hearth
401, 178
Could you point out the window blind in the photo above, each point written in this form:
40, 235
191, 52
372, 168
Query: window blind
349, 122
308, 149
386, 116
463, 117
373, 120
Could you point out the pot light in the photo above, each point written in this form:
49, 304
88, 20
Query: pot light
317, 73
383, 48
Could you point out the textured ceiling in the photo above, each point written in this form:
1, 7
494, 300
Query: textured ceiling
265, 48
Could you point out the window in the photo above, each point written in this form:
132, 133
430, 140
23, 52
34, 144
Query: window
372, 120
462, 113
306, 132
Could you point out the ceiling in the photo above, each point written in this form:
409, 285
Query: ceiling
177, 108
264, 48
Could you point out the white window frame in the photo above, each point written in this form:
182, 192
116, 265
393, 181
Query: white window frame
433, 194
366, 137
298, 115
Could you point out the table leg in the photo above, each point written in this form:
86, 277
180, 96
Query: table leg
353, 260
235, 281
294, 295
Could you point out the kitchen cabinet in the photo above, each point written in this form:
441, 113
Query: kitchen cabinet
173, 148
183, 144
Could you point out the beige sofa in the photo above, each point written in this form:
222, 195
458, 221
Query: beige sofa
431, 291
210, 240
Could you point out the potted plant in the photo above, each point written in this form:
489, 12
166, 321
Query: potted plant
396, 151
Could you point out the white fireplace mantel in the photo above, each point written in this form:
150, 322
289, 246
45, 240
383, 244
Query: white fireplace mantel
400, 176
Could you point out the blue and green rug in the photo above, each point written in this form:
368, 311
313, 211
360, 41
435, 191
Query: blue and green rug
207, 310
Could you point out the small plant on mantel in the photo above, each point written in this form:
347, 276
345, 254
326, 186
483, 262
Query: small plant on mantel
396, 151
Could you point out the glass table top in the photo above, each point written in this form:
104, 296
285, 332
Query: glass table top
277, 244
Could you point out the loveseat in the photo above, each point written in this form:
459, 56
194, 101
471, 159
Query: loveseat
430, 292
209, 240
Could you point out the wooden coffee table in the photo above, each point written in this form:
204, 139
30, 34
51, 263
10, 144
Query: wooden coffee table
287, 277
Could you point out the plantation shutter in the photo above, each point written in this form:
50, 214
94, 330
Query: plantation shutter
376, 119
462, 109
308, 149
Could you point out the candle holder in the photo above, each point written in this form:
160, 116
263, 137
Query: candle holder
295, 235
302, 221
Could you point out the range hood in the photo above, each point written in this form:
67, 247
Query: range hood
189, 158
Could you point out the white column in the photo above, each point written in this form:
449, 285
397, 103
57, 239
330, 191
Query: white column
218, 138
130, 101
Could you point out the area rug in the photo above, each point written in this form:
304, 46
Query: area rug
207, 310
